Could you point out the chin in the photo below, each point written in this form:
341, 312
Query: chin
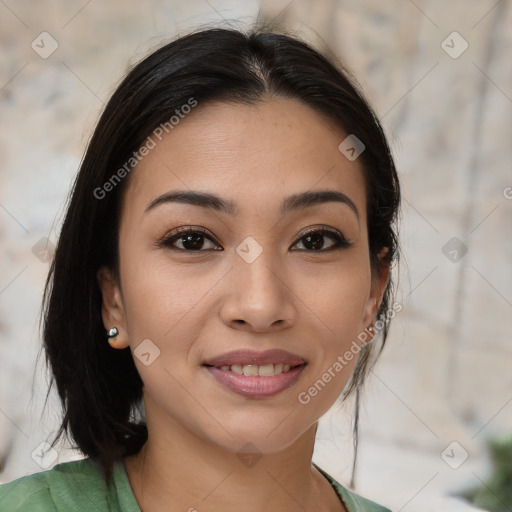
265, 436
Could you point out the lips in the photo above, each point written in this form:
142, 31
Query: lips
256, 375
256, 386
250, 357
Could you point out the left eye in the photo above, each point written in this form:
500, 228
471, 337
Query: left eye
314, 238
193, 240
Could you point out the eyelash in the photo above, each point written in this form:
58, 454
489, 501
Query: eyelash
167, 241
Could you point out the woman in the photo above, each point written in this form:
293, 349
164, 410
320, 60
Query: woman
220, 280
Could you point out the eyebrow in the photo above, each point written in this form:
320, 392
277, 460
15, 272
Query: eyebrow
291, 203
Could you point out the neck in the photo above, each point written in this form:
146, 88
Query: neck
176, 470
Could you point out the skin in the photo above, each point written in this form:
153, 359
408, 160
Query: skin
196, 305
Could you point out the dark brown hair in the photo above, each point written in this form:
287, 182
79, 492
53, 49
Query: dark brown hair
99, 387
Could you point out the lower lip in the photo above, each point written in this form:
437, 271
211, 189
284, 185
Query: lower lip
257, 387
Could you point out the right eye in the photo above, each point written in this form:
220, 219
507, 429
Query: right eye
191, 240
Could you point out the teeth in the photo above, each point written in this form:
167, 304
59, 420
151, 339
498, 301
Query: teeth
236, 368
252, 370
266, 370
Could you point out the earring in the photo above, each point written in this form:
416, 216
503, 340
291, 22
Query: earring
372, 330
112, 333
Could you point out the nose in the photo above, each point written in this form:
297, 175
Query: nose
258, 297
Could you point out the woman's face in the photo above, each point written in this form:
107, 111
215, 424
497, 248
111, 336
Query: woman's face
249, 279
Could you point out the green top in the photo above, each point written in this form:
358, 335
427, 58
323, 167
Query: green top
78, 486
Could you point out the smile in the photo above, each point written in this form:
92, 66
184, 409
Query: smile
256, 382
252, 370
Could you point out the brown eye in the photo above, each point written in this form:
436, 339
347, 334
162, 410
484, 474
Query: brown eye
314, 240
191, 240
197, 240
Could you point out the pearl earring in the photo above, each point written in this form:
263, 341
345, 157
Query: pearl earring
112, 333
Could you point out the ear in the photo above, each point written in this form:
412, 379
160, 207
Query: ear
378, 287
112, 309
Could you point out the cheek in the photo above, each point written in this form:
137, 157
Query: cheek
163, 304
336, 294
160, 296
334, 300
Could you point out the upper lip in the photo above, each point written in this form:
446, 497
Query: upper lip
245, 357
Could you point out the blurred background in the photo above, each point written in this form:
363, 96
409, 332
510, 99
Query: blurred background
437, 411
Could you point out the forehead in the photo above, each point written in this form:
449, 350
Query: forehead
253, 155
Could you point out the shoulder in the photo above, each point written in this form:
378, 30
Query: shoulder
353, 501
76, 485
